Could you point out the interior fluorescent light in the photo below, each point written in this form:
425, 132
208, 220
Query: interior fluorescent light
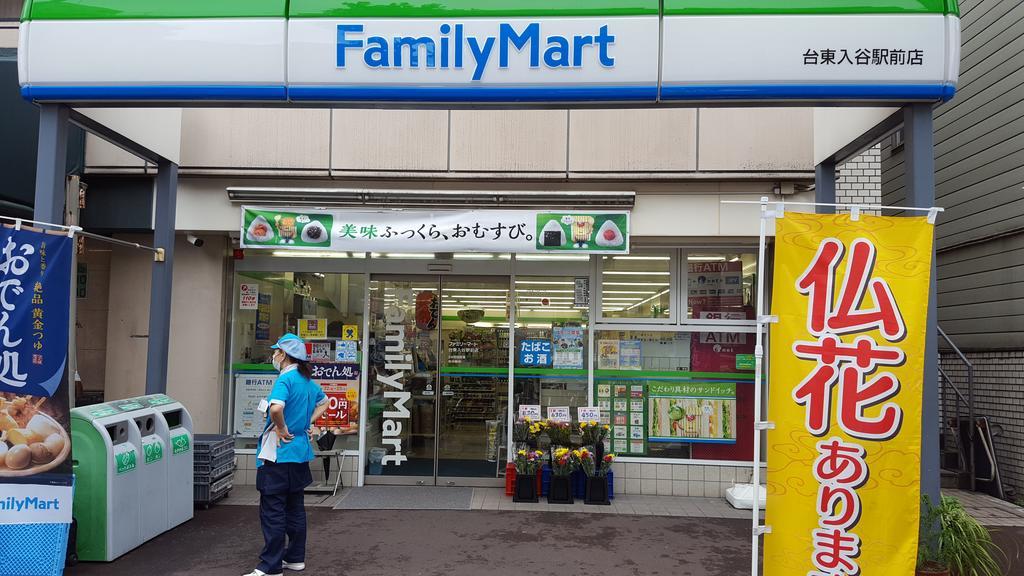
635, 283
640, 257
308, 254
641, 292
706, 258
634, 273
543, 283
473, 256
642, 302
408, 255
562, 257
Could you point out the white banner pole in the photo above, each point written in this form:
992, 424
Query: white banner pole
756, 529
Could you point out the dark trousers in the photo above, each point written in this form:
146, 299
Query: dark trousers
282, 513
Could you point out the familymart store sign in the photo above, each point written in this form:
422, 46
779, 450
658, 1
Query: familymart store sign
489, 51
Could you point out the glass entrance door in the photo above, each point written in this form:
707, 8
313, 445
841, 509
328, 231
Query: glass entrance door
437, 379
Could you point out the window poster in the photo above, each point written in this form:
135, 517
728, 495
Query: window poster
692, 412
340, 382
622, 406
629, 355
607, 354
715, 284
263, 317
568, 346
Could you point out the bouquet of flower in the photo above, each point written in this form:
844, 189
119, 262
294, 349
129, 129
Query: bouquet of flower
564, 462
526, 430
593, 432
591, 466
559, 433
527, 462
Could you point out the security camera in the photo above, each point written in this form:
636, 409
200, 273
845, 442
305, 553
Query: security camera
194, 240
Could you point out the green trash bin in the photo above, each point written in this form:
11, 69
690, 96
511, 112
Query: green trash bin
107, 455
174, 426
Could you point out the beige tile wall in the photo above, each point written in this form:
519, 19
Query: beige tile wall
246, 471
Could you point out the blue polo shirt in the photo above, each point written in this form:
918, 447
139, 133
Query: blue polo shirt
300, 397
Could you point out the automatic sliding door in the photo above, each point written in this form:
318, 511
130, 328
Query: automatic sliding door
402, 418
473, 379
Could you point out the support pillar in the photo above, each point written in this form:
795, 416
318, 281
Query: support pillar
825, 186
51, 162
919, 160
163, 276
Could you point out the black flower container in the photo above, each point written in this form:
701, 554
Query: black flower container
526, 489
597, 491
560, 491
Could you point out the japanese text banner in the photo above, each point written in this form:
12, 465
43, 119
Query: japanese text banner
514, 231
847, 359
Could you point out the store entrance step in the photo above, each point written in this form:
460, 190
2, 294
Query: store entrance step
406, 498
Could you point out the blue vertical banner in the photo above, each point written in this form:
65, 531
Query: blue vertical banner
35, 439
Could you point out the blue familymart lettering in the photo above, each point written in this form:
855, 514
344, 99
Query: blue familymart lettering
447, 49
27, 503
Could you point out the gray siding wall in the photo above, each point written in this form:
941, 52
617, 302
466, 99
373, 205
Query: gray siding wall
979, 163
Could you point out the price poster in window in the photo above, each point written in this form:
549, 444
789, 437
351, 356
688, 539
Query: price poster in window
623, 406
340, 382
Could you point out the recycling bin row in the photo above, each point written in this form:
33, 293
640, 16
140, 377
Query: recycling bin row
133, 467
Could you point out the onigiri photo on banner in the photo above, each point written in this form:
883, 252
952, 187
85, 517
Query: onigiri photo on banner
515, 231
845, 387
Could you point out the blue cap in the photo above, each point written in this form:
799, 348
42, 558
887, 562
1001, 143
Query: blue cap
292, 345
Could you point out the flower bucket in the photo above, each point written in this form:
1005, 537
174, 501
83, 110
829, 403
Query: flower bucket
560, 490
597, 491
525, 491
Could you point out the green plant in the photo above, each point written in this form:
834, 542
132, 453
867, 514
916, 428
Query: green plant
559, 433
525, 431
593, 432
952, 538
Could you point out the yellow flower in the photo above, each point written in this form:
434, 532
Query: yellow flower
527, 419
593, 422
607, 427
522, 452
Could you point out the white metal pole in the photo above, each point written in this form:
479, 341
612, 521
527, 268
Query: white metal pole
364, 384
755, 524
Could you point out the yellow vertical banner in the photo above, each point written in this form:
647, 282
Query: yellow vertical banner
845, 384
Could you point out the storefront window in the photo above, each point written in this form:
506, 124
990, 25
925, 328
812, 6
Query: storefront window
551, 344
721, 286
676, 394
637, 286
326, 310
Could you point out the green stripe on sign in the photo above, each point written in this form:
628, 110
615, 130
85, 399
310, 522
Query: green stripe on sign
468, 8
752, 7
151, 9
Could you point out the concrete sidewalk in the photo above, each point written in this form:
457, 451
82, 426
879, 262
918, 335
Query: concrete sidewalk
225, 541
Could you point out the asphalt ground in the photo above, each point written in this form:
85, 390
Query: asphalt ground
225, 540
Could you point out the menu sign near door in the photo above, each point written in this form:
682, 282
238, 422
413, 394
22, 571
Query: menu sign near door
340, 383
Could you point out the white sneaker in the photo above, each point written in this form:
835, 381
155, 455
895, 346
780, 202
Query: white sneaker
258, 572
294, 566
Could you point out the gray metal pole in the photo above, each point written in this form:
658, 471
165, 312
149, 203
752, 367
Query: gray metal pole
51, 160
919, 159
163, 275
825, 186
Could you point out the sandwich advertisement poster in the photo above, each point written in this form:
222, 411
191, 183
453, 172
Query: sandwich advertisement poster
516, 231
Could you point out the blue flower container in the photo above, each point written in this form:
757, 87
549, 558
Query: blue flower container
545, 480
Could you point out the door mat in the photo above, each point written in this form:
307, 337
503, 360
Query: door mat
406, 498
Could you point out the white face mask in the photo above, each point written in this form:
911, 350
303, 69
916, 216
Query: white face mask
276, 362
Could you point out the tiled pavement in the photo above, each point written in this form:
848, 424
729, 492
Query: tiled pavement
495, 499
989, 510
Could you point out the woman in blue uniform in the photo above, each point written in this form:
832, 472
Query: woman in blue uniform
295, 402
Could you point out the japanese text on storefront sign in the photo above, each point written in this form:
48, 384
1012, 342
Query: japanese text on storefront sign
334, 371
13, 265
496, 231
863, 57
840, 467
535, 353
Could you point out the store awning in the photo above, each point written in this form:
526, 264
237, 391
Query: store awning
462, 199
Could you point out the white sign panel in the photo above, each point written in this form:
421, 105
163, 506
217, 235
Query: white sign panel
559, 414
531, 411
519, 231
35, 504
250, 389
248, 297
589, 413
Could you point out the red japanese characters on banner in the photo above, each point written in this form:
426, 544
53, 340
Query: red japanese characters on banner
846, 370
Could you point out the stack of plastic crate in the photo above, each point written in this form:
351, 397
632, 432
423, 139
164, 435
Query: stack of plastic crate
213, 466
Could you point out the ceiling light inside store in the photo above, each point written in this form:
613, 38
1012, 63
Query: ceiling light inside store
635, 283
544, 283
473, 256
642, 302
640, 257
706, 258
634, 273
564, 258
403, 255
308, 254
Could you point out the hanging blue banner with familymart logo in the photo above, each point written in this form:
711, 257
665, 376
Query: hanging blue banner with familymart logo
35, 292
